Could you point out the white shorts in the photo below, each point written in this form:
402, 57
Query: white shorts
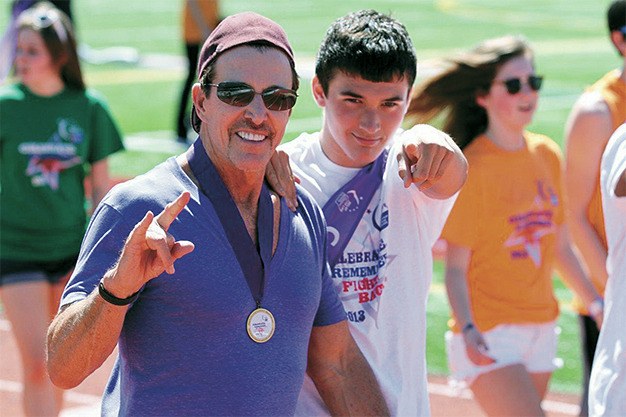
533, 345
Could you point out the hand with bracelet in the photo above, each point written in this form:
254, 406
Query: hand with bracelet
149, 251
475, 345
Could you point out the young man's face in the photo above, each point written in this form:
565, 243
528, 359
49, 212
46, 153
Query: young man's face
360, 116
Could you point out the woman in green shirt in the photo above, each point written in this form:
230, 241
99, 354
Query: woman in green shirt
53, 132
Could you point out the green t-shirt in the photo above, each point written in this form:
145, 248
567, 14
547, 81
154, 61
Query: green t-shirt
46, 144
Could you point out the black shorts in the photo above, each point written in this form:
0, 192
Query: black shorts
13, 272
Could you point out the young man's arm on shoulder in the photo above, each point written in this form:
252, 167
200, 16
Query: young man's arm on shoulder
341, 373
431, 160
587, 133
281, 179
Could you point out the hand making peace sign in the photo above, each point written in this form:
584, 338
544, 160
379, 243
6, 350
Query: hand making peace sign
148, 251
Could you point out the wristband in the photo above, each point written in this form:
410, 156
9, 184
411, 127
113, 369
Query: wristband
111, 299
596, 307
468, 326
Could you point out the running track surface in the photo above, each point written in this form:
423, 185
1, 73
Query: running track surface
84, 400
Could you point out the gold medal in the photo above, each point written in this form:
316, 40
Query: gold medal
260, 325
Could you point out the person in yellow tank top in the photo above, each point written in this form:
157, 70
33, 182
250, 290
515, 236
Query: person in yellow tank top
506, 231
594, 117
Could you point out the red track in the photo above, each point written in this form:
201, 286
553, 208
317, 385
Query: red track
83, 401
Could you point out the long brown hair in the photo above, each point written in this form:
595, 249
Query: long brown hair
452, 93
57, 33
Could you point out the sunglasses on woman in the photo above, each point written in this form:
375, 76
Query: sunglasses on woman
514, 85
241, 94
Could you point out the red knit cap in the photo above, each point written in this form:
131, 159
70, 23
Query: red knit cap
236, 30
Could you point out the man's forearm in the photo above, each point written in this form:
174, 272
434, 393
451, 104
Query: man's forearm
81, 337
353, 390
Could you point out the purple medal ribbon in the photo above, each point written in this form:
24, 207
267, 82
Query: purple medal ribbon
345, 208
254, 262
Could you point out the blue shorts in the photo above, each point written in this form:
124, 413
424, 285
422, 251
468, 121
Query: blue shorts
16, 272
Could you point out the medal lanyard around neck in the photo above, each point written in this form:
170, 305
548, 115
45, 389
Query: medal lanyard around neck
345, 209
254, 265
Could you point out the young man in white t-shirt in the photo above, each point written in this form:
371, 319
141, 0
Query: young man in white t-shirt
386, 195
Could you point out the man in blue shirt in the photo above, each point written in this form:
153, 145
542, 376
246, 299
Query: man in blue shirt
248, 307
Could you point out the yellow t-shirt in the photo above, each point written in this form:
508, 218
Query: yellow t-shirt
199, 18
507, 213
613, 90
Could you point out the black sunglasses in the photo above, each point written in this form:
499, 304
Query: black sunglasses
241, 94
514, 85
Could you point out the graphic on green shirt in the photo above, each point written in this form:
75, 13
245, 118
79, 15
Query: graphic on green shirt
49, 144
48, 159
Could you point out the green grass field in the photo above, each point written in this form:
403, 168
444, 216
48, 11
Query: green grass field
569, 37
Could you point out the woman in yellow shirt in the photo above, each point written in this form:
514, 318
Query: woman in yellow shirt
506, 231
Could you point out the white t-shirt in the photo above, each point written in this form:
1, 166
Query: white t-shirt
384, 276
607, 386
